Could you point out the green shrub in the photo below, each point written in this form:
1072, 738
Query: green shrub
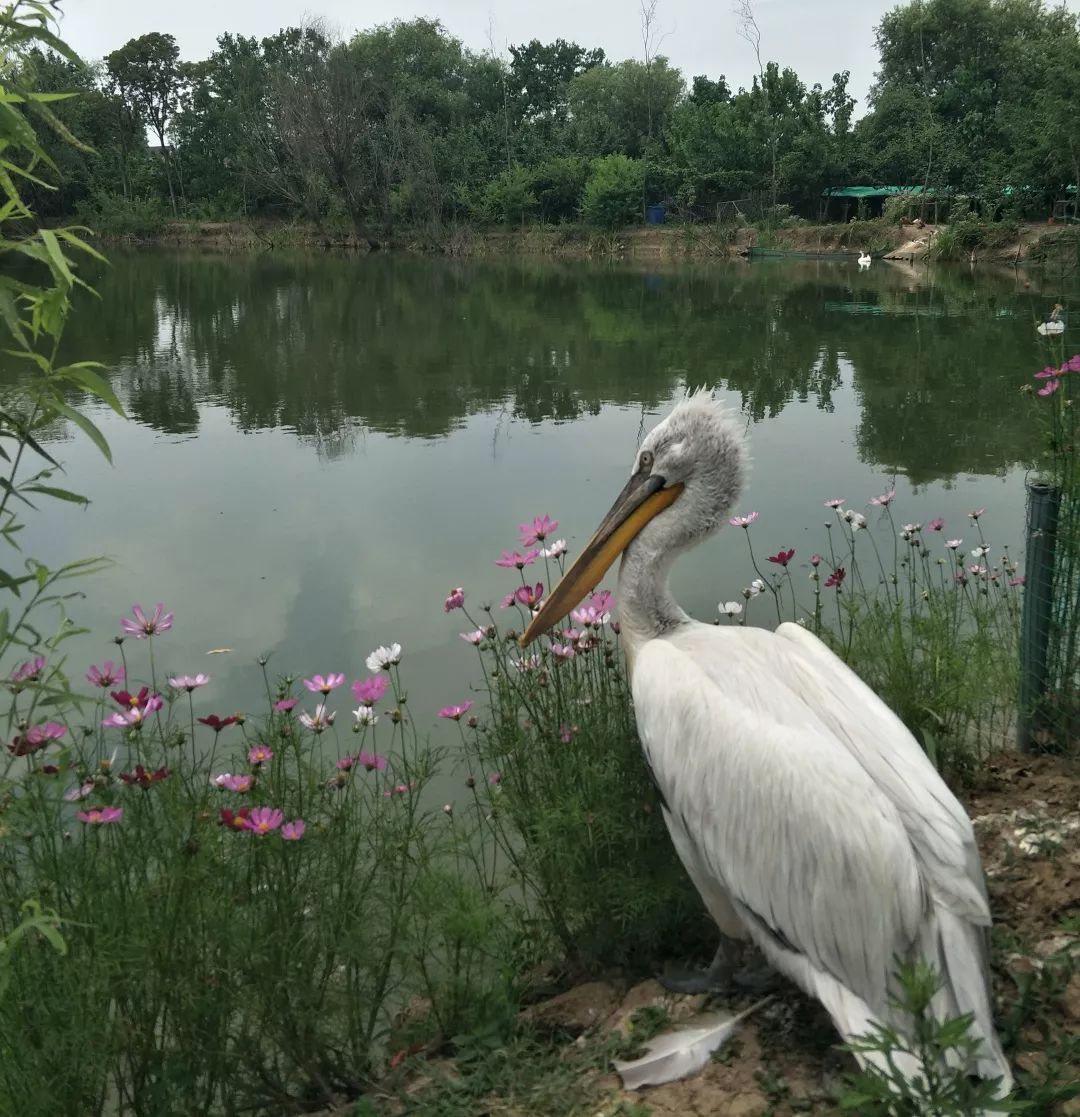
509, 199
113, 215
559, 184
613, 192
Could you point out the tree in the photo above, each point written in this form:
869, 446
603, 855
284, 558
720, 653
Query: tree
540, 75
147, 75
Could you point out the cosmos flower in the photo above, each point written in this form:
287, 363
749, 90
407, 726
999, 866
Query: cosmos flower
107, 675
143, 778
743, 521
513, 560
454, 713
263, 820
538, 530
370, 690
835, 502
526, 663
529, 596
372, 761
293, 831
815, 560
36, 737
474, 638
953, 544
318, 721
981, 551
384, 657
455, 599
1017, 581
364, 715
836, 578
730, 608
143, 626
83, 791
562, 652
976, 513
398, 789
234, 820
885, 499
217, 724
936, 524
284, 705
100, 816
188, 682
856, 519
782, 558
260, 754
555, 550
27, 672
319, 685
1049, 388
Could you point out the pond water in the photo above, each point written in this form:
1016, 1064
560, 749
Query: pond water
320, 448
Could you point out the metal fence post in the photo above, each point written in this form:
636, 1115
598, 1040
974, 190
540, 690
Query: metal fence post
1036, 615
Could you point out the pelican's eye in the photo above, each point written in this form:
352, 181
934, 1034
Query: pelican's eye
645, 463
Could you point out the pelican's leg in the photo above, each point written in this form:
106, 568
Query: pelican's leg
726, 974
718, 978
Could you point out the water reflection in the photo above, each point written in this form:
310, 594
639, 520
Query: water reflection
329, 347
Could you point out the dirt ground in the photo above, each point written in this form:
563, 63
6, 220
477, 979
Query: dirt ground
783, 1060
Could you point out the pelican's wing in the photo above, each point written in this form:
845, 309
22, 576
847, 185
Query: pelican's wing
813, 855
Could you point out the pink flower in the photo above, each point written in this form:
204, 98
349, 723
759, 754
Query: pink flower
1072, 364
135, 715
27, 672
74, 794
1017, 581
495, 779
537, 531
977, 570
239, 784
562, 651
100, 816
107, 675
217, 724
455, 599
293, 831
345, 763
835, 502
398, 789
1049, 388
815, 560
935, 524
263, 819
284, 705
508, 600
371, 761
836, 578
36, 737
318, 721
782, 558
976, 514
260, 754
511, 559
596, 613
885, 499
1046, 373
143, 778
318, 685
952, 544
370, 690
188, 682
454, 713
743, 521
567, 733
474, 638
529, 595
143, 626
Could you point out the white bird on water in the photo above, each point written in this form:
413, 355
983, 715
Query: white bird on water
864, 259
806, 814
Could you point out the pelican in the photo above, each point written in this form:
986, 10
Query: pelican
1053, 325
864, 259
807, 816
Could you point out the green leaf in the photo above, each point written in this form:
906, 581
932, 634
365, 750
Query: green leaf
82, 373
68, 234
56, 254
59, 494
10, 314
86, 426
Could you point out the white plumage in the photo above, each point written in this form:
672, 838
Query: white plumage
806, 814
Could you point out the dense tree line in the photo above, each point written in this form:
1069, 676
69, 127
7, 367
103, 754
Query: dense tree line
402, 127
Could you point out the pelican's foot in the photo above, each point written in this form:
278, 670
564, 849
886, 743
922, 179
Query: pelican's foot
693, 983
758, 980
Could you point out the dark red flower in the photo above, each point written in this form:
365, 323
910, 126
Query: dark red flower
218, 724
131, 701
234, 820
144, 778
782, 558
836, 577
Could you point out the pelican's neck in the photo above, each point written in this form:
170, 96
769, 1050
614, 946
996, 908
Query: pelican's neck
646, 607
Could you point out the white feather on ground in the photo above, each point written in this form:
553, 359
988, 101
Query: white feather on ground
683, 1052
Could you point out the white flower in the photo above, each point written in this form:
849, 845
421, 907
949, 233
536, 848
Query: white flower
730, 608
384, 657
526, 663
856, 519
321, 719
756, 586
81, 792
220, 781
364, 715
980, 552
910, 529
472, 637
952, 544
557, 548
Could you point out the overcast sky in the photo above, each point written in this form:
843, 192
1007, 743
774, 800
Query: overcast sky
815, 37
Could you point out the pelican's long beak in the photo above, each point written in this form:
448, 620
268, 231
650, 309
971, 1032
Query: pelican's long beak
644, 497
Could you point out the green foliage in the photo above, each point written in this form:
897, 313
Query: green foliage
239, 969
557, 773
613, 191
509, 199
931, 1088
35, 921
